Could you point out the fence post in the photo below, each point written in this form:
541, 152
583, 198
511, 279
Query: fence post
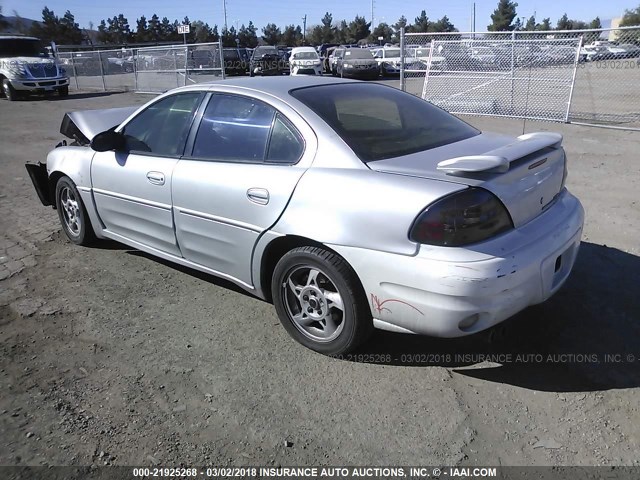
175, 66
104, 83
75, 73
426, 74
186, 63
134, 53
221, 57
573, 78
402, 42
513, 58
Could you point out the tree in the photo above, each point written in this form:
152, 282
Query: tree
167, 30
564, 23
442, 25
340, 35
421, 23
530, 26
248, 35
595, 23
292, 36
70, 33
382, 30
358, 29
545, 25
3, 23
229, 37
104, 36
142, 30
401, 23
271, 34
154, 29
631, 18
327, 29
201, 31
503, 16
119, 29
64, 31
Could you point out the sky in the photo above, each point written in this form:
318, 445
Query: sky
285, 12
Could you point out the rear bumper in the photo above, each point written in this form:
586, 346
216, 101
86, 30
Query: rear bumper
452, 292
39, 84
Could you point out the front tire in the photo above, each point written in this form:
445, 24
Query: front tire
10, 93
63, 91
320, 301
73, 214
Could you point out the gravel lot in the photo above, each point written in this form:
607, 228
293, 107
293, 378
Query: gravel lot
109, 356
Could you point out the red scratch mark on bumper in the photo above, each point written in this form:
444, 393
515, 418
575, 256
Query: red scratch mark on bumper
378, 305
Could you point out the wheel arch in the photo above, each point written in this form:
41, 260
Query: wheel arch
276, 249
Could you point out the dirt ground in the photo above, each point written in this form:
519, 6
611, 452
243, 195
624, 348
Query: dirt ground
109, 356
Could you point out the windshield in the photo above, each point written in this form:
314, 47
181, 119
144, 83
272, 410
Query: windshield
358, 53
380, 122
258, 52
21, 47
305, 56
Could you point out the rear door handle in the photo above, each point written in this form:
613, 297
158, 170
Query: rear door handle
258, 195
157, 178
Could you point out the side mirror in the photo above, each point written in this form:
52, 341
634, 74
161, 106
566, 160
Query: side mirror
109, 140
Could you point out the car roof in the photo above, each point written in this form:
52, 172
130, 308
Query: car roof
278, 86
303, 49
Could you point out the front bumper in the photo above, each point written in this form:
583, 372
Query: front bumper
452, 292
306, 70
39, 84
355, 72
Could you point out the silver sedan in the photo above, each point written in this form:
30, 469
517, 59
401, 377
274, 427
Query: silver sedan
349, 205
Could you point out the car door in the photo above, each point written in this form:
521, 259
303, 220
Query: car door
241, 172
132, 189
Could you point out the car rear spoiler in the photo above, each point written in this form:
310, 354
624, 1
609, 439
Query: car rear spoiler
498, 160
82, 126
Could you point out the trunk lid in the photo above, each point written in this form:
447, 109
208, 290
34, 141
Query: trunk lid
525, 173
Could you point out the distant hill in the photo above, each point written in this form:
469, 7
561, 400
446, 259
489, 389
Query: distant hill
16, 25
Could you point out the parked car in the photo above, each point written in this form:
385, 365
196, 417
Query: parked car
350, 205
388, 59
334, 58
26, 67
268, 60
357, 63
234, 63
305, 61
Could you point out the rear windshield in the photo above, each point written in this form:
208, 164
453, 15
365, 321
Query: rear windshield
380, 122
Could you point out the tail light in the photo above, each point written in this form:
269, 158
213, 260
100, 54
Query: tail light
461, 218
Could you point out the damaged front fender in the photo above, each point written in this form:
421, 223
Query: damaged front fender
40, 178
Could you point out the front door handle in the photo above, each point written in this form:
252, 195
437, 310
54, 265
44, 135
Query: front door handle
258, 195
157, 178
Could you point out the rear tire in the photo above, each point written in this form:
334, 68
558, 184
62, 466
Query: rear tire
63, 91
73, 214
320, 301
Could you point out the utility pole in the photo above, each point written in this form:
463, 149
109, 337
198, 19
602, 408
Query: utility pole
372, 15
304, 29
224, 9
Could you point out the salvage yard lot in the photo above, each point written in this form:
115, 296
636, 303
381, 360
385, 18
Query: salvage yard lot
111, 356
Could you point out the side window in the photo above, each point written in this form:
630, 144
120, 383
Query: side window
163, 127
286, 144
234, 128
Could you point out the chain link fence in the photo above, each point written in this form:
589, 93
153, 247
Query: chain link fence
578, 76
144, 70
101, 69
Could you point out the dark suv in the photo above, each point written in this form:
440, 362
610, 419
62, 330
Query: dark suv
267, 60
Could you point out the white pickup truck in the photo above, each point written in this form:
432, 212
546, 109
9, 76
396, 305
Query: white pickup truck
26, 67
